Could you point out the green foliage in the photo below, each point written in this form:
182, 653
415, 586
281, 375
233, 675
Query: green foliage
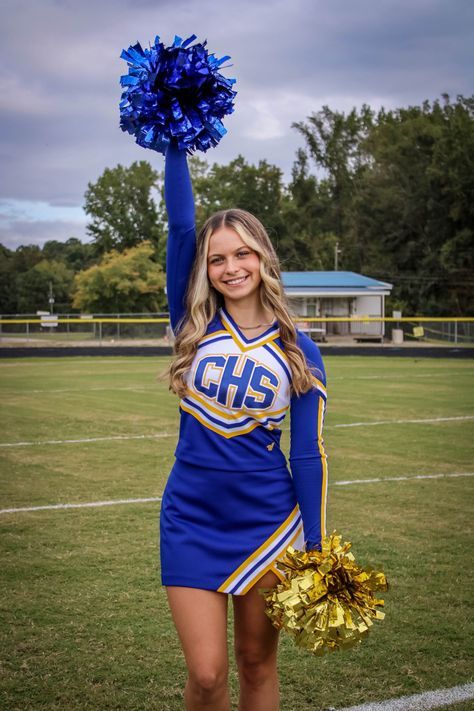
256, 188
33, 287
308, 242
25, 276
7, 281
122, 208
397, 191
394, 189
122, 282
74, 253
26, 256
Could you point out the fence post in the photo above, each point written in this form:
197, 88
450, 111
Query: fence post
455, 331
118, 327
100, 333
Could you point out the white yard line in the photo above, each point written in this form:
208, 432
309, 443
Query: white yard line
420, 702
88, 439
430, 420
88, 504
408, 375
81, 391
433, 420
375, 480
113, 502
78, 361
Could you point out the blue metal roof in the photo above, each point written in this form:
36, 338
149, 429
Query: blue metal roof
331, 280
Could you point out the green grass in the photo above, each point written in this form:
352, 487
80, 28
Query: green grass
85, 620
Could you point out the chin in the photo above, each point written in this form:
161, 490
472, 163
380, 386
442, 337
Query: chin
241, 297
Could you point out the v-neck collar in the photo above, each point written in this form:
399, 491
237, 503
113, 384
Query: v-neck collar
243, 342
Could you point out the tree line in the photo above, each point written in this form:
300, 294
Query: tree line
393, 189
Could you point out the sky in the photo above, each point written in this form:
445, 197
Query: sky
60, 67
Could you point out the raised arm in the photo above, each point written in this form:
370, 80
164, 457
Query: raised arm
181, 247
308, 460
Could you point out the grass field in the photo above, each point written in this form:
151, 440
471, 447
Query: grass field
85, 623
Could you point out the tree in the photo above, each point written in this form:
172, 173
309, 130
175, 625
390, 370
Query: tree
258, 189
122, 208
396, 189
25, 257
32, 287
74, 253
414, 206
335, 141
7, 282
122, 282
308, 242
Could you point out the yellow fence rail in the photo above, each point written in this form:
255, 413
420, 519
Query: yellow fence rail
301, 319
75, 329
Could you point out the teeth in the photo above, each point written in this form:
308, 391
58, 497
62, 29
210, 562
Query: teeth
236, 281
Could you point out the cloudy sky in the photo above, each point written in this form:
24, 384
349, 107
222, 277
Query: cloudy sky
60, 69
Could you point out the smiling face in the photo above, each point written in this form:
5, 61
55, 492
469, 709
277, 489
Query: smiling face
233, 268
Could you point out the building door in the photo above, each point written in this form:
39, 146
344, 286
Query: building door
336, 307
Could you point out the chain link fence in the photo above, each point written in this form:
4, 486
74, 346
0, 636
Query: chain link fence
154, 329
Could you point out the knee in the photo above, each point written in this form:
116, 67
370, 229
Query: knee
255, 666
207, 681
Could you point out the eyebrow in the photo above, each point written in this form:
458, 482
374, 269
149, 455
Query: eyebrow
217, 254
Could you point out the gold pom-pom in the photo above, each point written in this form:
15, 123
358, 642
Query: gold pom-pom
326, 601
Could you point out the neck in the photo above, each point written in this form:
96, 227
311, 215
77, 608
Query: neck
249, 314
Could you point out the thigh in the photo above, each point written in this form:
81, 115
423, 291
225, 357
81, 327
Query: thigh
200, 617
256, 639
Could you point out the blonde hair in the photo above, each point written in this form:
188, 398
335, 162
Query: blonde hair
203, 301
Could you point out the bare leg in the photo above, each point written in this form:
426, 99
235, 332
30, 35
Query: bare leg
256, 646
200, 617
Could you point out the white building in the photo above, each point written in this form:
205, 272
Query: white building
337, 294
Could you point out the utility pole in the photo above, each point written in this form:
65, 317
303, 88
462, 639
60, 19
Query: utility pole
51, 298
337, 252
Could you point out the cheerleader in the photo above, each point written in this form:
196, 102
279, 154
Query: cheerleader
231, 507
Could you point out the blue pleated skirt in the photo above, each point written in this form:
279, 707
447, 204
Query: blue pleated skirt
223, 530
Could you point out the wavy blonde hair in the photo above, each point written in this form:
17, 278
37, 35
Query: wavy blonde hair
203, 301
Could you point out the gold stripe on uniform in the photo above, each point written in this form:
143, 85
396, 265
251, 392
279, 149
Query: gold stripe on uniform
319, 385
270, 566
238, 413
227, 435
323, 466
237, 340
259, 550
209, 336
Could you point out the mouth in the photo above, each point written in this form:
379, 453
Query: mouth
236, 282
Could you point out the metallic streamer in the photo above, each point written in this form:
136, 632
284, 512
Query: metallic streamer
326, 601
175, 93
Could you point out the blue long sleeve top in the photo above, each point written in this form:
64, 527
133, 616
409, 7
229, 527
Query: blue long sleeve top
239, 389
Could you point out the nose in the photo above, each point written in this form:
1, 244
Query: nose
231, 266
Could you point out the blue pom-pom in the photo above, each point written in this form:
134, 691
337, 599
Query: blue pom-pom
175, 94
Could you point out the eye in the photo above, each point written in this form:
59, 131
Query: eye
215, 260
243, 253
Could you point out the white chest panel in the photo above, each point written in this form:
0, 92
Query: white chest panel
237, 388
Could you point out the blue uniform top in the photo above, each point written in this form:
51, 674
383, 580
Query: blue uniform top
239, 388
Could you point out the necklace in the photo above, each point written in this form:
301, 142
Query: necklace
251, 328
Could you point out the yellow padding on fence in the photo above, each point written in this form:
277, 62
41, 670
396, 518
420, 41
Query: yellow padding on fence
305, 319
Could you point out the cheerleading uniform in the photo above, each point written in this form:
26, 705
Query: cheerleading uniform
231, 507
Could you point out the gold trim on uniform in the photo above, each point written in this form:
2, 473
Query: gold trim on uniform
283, 531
